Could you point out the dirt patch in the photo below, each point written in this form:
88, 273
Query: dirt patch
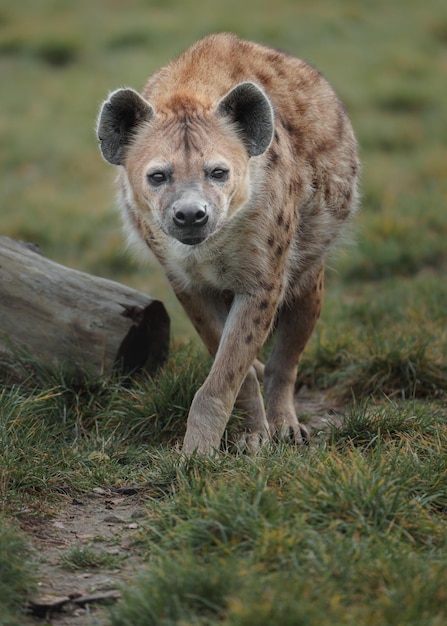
105, 522
318, 411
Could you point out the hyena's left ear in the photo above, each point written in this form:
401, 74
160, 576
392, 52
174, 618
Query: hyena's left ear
251, 111
118, 123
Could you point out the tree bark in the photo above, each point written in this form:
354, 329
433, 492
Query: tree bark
63, 317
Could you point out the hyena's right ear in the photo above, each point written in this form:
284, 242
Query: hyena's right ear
118, 122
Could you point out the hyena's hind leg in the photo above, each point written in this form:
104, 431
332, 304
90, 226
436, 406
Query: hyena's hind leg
296, 321
250, 402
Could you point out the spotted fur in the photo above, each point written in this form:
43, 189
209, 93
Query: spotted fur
238, 169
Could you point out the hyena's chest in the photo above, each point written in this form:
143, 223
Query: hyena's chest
205, 269
236, 262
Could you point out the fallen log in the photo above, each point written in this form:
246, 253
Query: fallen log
64, 317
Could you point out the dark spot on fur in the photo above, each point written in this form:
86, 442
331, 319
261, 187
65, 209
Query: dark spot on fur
186, 141
342, 212
263, 305
257, 321
276, 136
281, 72
273, 158
279, 250
280, 219
249, 338
348, 194
230, 377
271, 241
274, 55
266, 286
324, 146
299, 139
294, 188
287, 125
311, 162
265, 78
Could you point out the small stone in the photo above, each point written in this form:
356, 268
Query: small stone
84, 537
58, 524
139, 514
43, 605
102, 596
114, 519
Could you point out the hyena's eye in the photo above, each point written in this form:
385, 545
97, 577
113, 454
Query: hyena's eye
219, 174
157, 178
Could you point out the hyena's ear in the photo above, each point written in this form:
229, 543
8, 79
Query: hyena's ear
251, 111
118, 122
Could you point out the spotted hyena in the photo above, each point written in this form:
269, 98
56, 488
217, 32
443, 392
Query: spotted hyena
238, 168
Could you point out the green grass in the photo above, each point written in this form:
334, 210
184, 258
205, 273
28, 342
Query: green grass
87, 558
16, 575
350, 530
342, 535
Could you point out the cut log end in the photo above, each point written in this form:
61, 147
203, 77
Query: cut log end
146, 344
65, 318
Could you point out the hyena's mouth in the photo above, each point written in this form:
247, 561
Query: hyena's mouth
192, 241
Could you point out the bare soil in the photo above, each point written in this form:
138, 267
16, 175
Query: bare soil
104, 521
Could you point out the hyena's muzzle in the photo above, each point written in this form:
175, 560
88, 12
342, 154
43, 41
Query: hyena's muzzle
190, 218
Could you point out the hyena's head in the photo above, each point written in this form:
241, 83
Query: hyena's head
187, 164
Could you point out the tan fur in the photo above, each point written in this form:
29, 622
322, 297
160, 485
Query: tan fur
271, 223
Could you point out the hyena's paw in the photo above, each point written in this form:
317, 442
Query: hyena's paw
251, 443
206, 424
290, 431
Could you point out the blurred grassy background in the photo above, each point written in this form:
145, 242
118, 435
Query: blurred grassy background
387, 60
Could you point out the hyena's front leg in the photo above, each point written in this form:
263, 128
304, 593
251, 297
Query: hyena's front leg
296, 321
209, 315
246, 328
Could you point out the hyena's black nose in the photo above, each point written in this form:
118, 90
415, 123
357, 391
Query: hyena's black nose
190, 215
